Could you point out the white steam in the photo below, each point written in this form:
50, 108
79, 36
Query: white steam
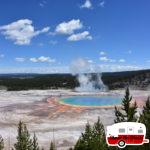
89, 76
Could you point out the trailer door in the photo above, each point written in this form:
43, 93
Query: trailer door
130, 131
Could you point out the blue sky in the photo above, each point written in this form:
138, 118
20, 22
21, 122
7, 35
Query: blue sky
48, 36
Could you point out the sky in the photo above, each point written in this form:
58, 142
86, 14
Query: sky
54, 36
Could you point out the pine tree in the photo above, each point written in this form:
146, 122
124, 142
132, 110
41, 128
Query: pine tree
85, 141
119, 116
145, 119
99, 142
1, 143
127, 111
52, 146
35, 143
23, 139
87, 136
93, 138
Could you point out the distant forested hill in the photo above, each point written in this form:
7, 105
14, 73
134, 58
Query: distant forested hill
114, 80
135, 79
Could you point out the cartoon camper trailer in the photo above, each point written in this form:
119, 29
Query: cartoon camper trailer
126, 133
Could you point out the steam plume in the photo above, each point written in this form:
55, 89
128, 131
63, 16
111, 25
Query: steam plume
89, 77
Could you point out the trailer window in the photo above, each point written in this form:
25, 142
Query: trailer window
122, 130
140, 131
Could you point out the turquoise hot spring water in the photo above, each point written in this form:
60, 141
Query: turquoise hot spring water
92, 100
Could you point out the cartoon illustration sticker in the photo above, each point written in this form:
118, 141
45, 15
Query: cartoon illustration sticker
126, 133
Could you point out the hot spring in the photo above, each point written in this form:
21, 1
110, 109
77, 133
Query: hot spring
90, 81
92, 100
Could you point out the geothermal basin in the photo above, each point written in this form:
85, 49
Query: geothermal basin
55, 114
92, 100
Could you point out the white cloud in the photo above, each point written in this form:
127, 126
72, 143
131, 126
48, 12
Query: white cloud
42, 70
42, 3
20, 59
80, 36
82, 65
66, 69
115, 68
46, 59
90, 61
105, 59
87, 4
79, 65
42, 59
2, 55
46, 29
33, 59
21, 31
129, 52
68, 27
102, 4
102, 53
122, 60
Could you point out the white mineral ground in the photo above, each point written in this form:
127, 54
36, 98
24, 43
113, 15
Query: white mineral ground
51, 121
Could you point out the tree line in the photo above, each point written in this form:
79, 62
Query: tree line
93, 138
114, 80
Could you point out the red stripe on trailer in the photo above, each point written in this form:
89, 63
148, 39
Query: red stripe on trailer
128, 139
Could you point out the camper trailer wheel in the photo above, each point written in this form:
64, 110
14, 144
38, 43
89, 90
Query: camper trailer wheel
121, 144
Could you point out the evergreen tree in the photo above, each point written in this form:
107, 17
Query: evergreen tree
35, 143
93, 138
99, 141
127, 111
1, 143
145, 119
52, 146
23, 139
85, 141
